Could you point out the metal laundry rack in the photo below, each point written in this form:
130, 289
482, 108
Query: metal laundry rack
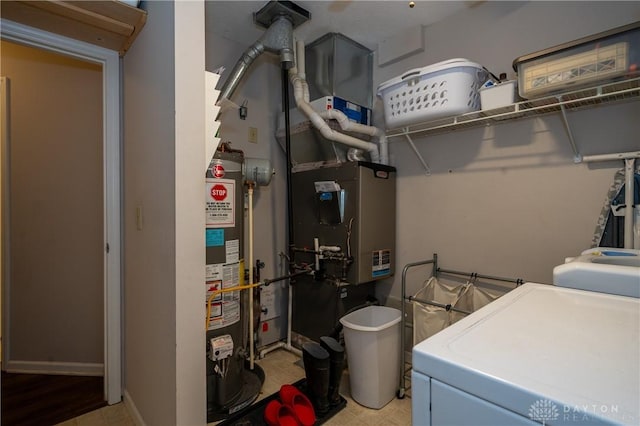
448, 307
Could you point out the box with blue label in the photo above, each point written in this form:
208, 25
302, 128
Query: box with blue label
355, 113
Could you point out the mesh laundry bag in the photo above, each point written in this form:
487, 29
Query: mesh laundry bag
429, 319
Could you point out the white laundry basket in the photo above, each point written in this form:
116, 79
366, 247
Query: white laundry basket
444, 89
372, 338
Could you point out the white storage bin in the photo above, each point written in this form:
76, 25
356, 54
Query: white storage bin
372, 338
444, 89
596, 59
498, 95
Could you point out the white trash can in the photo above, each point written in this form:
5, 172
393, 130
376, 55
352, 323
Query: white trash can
372, 340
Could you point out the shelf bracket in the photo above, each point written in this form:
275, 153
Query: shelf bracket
415, 150
577, 158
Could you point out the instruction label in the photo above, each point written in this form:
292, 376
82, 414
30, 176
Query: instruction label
225, 307
232, 251
220, 203
380, 263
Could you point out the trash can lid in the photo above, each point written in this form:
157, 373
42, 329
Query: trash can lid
371, 318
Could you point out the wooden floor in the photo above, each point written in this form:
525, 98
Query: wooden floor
40, 400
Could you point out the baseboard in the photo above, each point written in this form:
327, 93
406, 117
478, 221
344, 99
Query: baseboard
133, 411
62, 368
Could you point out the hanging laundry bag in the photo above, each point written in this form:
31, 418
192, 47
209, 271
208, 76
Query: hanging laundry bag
474, 298
430, 319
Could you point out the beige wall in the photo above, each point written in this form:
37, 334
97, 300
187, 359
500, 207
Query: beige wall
56, 207
508, 200
149, 255
164, 344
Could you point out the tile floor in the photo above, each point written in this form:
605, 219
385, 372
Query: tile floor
280, 367
112, 415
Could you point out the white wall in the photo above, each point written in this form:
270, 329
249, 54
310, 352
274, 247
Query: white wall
190, 219
507, 200
164, 260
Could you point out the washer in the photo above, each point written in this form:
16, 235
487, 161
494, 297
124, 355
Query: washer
539, 354
603, 269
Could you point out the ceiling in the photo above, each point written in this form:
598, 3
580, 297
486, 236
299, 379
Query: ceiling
366, 22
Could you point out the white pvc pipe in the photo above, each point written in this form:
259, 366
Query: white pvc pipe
608, 157
628, 200
350, 126
316, 248
251, 339
300, 66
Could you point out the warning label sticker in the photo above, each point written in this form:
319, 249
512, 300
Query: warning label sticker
225, 307
220, 203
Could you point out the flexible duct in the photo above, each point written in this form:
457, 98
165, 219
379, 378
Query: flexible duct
301, 95
277, 39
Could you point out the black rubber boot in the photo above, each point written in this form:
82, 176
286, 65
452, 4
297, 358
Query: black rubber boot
316, 368
336, 365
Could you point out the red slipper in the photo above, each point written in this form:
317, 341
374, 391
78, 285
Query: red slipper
276, 414
299, 403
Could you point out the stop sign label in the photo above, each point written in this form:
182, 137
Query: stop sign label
218, 192
220, 200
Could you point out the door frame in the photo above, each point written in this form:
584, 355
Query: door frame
111, 92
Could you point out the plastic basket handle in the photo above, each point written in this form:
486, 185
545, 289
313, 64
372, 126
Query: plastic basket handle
412, 77
410, 74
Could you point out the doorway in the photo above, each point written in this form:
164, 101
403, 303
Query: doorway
54, 193
109, 231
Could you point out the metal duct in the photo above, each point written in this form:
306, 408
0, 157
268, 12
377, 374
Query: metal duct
280, 18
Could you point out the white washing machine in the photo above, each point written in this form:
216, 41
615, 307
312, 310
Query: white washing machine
608, 270
539, 354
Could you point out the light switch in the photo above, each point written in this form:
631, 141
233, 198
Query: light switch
253, 135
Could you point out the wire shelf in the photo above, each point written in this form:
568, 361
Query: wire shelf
580, 99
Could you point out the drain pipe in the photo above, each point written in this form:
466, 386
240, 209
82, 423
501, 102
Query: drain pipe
318, 122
